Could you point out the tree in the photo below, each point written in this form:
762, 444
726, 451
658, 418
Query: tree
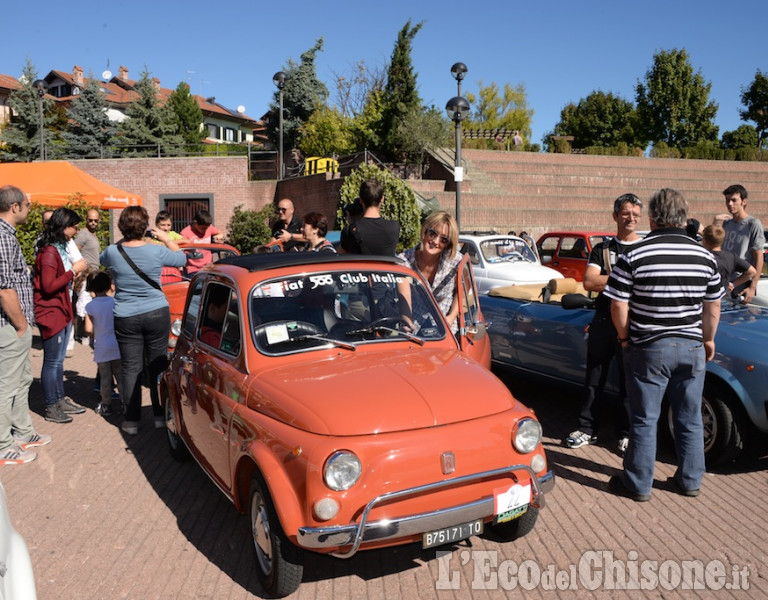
148, 124
744, 136
90, 132
399, 201
302, 95
755, 100
353, 91
400, 97
249, 228
21, 136
493, 109
327, 132
187, 115
673, 105
600, 119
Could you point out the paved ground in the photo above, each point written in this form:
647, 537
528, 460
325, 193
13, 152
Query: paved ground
107, 516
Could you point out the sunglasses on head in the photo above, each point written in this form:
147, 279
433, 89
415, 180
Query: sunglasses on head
433, 234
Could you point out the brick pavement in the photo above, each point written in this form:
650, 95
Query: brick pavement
107, 516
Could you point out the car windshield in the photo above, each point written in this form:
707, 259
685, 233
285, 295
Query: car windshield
342, 308
506, 249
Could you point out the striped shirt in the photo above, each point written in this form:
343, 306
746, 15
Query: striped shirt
665, 278
14, 273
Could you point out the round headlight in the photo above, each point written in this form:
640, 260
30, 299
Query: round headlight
342, 470
176, 327
527, 436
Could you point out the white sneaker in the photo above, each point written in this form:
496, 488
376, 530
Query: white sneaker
577, 439
13, 455
130, 427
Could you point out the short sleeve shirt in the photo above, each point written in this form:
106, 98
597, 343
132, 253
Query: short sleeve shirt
743, 238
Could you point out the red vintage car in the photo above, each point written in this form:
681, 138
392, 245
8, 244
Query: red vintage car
568, 251
176, 281
326, 396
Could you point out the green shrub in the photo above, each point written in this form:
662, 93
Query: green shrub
28, 232
249, 228
399, 202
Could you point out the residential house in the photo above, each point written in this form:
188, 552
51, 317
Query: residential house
223, 124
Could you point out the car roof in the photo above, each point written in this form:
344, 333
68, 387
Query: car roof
488, 236
277, 260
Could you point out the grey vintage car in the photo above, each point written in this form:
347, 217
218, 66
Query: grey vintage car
547, 339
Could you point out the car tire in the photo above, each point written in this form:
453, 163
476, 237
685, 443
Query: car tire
176, 446
280, 563
517, 528
724, 429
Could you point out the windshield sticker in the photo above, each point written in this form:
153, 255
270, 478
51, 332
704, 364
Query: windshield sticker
277, 333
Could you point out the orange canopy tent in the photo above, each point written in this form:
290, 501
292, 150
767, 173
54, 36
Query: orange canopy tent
55, 183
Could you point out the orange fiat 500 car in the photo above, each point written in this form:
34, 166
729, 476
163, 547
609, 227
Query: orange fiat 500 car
326, 396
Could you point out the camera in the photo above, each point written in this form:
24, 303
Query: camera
150, 234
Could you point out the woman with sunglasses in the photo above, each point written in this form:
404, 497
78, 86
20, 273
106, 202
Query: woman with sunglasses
54, 272
437, 259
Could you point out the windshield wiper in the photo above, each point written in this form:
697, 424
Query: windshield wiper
320, 338
375, 328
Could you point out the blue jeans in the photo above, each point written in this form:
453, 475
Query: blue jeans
52, 376
142, 338
675, 366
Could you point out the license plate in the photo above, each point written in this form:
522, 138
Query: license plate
454, 533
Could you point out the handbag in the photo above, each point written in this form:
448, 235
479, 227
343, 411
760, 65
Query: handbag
136, 269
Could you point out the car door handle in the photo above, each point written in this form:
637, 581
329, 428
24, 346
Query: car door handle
523, 319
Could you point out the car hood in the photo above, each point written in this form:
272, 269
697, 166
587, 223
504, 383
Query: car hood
364, 392
521, 272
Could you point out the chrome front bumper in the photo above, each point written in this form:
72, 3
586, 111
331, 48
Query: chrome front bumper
355, 534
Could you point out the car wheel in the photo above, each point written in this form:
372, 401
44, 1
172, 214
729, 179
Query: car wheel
280, 563
176, 445
723, 426
517, 528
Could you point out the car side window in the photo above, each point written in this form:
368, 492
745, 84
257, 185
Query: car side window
548, 248
470, 249
573, 247
219, 321
193, 308
470, 304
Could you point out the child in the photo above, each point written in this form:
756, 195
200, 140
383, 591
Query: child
727, 262
100, 325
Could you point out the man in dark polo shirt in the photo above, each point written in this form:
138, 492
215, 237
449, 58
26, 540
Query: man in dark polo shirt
371, 234
288, 228
665, 292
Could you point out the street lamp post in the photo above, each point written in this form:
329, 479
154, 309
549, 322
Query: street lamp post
458, 109
41, 88
279, 80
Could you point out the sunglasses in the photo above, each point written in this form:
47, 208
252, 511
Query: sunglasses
282, 209
433, 234
93, 220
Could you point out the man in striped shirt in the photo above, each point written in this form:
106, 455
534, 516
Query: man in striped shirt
665, 293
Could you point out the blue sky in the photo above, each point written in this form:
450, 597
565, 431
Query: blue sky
560, 50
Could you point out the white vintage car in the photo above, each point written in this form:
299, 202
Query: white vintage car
501, 260
16, 579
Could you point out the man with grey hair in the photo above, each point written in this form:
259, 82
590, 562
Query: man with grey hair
16, 316
665, 293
